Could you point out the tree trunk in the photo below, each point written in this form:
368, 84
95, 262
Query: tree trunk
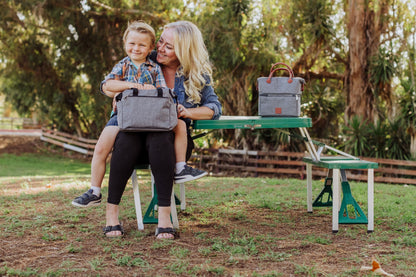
366, 23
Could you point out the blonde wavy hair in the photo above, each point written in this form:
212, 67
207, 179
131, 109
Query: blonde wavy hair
193, 56
140, 27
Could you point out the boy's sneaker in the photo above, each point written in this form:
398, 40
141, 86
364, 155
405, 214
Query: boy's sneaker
189, 174
87, 199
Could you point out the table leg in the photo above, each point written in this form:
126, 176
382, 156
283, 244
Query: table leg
137, 202
182, 196
370, 196
173, 211
335, 199
309, 187
309, 144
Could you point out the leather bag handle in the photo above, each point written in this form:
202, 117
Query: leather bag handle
288, 69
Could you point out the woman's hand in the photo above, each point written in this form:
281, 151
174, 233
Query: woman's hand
183, 112
198, 113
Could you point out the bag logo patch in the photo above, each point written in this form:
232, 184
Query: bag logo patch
278, 110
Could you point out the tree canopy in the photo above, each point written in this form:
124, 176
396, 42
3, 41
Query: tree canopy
357, 57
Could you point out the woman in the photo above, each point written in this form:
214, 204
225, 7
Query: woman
185, 64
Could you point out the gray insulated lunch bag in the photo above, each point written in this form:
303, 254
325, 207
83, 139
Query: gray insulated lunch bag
280, 96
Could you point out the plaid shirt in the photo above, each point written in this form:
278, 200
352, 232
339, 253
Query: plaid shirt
148, 73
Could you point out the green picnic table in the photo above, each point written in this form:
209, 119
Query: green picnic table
224, 122
253, 122
336, 165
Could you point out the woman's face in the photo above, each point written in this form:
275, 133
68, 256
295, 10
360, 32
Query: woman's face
165, 49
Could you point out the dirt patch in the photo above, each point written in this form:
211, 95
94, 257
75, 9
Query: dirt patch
52, 238
20, 144
33, 144
261, 243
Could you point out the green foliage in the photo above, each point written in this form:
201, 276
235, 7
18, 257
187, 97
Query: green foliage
407, 100
356, 134
397, 141
408, 105
312, 20
57, 53
377, 140
238, 48
385, 139
382, 69
321, 103
54, 54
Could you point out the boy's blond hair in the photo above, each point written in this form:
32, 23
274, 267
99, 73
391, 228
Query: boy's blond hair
192, 53
140, 27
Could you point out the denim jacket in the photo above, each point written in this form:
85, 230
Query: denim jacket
208, 98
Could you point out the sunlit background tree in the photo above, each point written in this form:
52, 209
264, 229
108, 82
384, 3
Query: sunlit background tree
357, 56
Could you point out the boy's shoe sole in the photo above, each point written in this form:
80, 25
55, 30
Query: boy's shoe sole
187, 178
90, 204
87, 199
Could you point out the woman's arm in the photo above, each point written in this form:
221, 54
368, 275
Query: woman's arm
208, 108
195, 113
209, 100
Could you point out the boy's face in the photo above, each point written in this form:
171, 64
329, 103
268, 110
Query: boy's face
138, 46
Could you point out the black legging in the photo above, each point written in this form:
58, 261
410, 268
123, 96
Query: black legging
155, 148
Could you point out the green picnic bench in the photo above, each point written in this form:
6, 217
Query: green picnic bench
257, 122
348, 211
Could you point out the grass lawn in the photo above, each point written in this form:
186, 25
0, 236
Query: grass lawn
231, 227
41, 165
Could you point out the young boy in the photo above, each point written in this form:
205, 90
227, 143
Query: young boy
135, 70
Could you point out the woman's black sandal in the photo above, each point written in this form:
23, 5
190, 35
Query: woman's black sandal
108, 229
168, 230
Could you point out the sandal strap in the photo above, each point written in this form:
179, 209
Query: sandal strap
108, 229
167, 230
